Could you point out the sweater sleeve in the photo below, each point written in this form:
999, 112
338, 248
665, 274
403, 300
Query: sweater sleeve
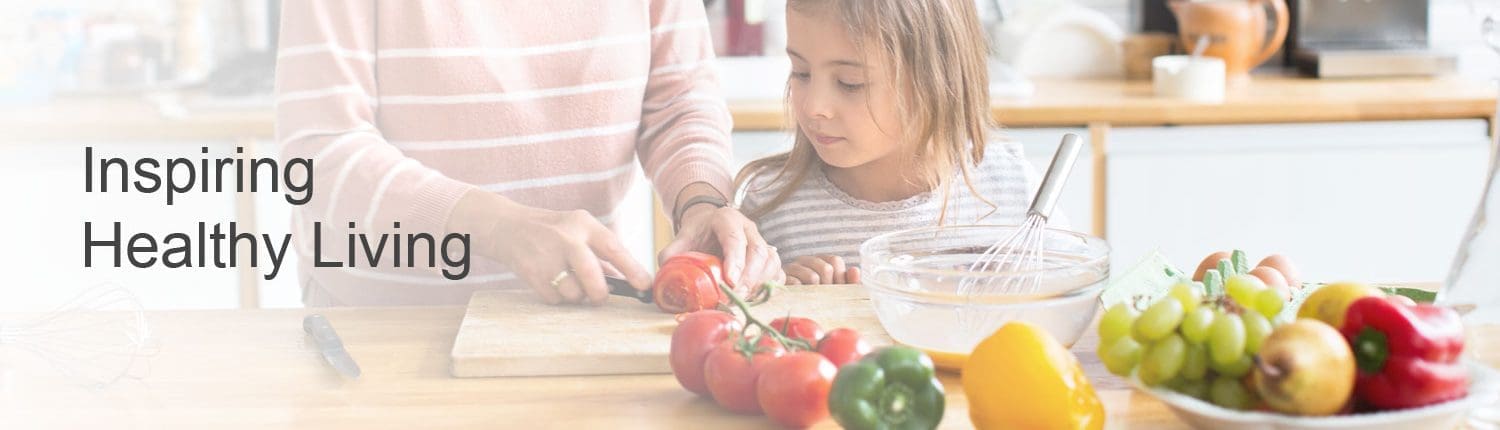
326, 102
684, 134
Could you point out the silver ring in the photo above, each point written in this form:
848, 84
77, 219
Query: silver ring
560, 276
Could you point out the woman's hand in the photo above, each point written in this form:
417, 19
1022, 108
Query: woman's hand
748, 260
539, 245
820, 269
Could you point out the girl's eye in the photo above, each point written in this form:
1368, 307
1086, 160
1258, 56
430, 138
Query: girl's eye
801, 76
850, 87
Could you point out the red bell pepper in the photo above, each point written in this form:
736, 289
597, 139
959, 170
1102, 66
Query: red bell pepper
689, 282
1408, 355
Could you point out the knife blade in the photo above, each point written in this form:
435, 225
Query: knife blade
330, 345
621, 287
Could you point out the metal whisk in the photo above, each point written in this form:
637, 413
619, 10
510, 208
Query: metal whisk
96, 338
1023, 251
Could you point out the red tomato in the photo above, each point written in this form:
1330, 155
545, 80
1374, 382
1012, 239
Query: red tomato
793, 388
843, 345
799, 328
769, 343
731, 376
689, 282
697, 334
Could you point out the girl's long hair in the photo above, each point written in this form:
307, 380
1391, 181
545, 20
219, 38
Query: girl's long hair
936, 56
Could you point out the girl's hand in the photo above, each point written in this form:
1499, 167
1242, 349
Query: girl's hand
748, 260
539, 244
821, 269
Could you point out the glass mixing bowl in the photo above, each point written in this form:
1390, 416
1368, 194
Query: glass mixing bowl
925, 296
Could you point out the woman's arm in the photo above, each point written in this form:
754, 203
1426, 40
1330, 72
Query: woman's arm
326, 97
684, 145
683, 142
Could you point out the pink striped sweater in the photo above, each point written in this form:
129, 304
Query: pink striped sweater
405, 106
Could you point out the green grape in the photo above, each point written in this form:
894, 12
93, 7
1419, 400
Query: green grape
1226, 339
1158, 321
1195, 364
1187, 294
1243, 288
1269, 302
1148, 376
1230, 393
1195, 325
1175, 384
1166, 357
1257, 327
1233, 370
1116, 322
1121, 355
1196, 389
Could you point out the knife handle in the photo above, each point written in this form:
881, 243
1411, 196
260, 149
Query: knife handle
321, 331
621, 287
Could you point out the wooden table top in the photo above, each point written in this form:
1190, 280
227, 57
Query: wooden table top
1266, 98
255, 368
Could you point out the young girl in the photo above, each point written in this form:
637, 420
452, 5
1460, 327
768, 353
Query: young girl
892, 110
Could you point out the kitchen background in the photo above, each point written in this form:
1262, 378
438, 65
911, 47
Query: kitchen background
1377, 201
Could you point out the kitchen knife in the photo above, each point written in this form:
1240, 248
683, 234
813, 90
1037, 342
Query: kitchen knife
330, 345
621, 287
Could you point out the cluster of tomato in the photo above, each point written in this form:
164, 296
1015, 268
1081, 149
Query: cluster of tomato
784, 369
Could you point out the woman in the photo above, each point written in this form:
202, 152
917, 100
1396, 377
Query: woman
518, 122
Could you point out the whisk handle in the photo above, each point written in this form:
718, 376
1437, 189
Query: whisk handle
321, 331
1057, 174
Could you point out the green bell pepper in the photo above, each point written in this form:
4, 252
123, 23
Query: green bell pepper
890, 388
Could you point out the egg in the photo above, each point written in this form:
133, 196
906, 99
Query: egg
1273, 279
1285, 266
1209, 262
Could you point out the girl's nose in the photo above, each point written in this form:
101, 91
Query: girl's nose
817, 105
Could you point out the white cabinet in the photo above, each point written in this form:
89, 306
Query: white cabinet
1372, 201
1075, 209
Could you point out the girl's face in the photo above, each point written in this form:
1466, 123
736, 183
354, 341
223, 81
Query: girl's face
843, 102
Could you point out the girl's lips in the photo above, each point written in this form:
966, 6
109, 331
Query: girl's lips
828, 139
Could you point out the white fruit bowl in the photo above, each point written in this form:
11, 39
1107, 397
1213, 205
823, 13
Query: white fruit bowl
1484, 384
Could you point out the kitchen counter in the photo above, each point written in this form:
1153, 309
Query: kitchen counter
254, 368
1265, 99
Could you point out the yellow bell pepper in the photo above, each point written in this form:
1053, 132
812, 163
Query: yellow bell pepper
1021, 378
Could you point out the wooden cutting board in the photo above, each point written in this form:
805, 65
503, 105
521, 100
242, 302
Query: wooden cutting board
512, 333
